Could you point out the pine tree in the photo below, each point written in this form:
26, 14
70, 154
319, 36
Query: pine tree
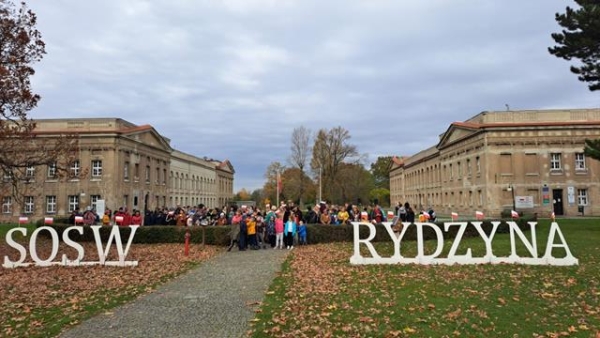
592, 149
580, 39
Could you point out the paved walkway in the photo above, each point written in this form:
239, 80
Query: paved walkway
216, 299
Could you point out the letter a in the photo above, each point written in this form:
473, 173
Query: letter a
568, 259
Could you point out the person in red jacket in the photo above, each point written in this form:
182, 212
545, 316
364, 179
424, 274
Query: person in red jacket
126, 217
119, 217
136, 219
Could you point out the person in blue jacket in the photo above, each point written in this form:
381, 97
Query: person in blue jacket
289, 231
302, 233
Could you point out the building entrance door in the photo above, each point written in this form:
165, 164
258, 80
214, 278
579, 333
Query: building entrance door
557, 202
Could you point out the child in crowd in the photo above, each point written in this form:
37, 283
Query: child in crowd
251, 226
106, 218
290, 229
261, 231
270, 225
302, 232
279, 231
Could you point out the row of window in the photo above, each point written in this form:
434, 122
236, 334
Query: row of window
582, 198
459, 168
556, 161
96, 172
74, 170
147, 175
506, 165
51, 203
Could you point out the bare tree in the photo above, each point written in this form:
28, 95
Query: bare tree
300, 151
330, 151
23, 150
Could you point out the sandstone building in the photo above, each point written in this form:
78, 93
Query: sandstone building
530, 160
123, 165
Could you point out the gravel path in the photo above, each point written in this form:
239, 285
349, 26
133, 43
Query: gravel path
216, 299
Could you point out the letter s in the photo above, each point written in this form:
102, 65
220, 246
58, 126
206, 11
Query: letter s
9, 240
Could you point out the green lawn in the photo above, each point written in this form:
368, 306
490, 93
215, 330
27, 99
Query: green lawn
320, 294
5, 227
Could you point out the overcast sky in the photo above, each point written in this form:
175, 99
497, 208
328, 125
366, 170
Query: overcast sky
231, 79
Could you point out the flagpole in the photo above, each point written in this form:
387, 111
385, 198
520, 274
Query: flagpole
277, 187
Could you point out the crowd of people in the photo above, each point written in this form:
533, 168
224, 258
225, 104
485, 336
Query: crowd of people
321, 213
254, 228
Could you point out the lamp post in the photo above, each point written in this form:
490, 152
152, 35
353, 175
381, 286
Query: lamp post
320, 184
511, 188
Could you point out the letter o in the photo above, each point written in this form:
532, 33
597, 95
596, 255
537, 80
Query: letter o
33, 249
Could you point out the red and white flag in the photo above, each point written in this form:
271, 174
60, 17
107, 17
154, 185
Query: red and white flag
78, 219
514, 214
479, 214
23, 220
118, 219
48, 220
454, 216
364, 216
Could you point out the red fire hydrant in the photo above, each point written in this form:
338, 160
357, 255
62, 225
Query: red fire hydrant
187, 243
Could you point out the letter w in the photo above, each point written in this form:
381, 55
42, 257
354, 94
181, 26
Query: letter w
115, 235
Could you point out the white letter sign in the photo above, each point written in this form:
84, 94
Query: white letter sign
115, 236
453, 258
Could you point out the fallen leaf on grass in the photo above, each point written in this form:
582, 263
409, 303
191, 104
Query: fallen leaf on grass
66, 292
365, 319
547, 295
454, 314
409, 330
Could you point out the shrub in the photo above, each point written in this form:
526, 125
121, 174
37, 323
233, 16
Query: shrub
151, 234
316, 233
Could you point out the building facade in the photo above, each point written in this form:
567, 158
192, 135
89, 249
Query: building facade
199, 181
530, 160
122, 165
225, 174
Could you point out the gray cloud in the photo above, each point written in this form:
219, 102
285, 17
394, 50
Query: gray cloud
231, 79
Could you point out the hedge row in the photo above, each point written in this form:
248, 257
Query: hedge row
316, 233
